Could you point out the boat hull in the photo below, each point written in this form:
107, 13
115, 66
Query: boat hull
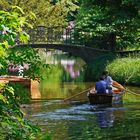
105, 98
100, 98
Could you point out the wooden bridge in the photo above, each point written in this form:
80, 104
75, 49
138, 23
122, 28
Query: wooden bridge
69, 40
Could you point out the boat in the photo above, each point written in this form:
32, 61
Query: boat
108, 99
114, 98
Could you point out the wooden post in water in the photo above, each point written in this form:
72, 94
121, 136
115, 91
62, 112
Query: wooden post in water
34, 90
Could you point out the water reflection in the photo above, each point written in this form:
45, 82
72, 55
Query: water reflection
105, 119
65, 76
69, 67
72, 65
57, 110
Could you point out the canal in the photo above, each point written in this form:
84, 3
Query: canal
77, 119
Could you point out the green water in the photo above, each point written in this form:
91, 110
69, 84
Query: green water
77, 119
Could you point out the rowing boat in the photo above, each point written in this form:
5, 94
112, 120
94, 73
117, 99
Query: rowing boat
109, 99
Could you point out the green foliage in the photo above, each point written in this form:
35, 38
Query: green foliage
11, 24
46, 136
100, 18
21, 92
48, 13
13, 126
23, 56
125, 70
28, 56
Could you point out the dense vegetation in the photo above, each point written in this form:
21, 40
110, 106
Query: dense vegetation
12, 124
109, 23
47, 13
125, 70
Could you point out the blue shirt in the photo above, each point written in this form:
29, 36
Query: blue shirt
101, 86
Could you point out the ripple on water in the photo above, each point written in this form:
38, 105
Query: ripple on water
72, 113
80, 112
56, 116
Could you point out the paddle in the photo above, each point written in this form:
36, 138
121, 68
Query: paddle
77, 94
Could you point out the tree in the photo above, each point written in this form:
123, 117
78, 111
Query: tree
108, 19
12, 123
48, 13
11, 24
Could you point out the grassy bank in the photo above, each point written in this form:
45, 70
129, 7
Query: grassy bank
124, 70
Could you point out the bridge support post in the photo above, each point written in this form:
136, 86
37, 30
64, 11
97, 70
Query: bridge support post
112, 38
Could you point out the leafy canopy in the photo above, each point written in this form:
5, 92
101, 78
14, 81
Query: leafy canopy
48, 12
11, 24
105, 16
12, 124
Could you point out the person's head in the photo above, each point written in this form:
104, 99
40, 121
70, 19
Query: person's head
105, 74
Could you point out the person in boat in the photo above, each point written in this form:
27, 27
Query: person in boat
100, 86
109, 81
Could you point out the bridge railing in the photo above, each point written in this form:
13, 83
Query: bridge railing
69, 36
55, 35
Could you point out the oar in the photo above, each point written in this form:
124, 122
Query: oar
77, 94
131, 92
119, 86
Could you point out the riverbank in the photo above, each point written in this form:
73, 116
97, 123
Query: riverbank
124, 70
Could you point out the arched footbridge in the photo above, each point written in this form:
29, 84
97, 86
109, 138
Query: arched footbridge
86, 53
68, 40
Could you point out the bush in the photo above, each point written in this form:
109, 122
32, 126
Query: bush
12, 124
125, 70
